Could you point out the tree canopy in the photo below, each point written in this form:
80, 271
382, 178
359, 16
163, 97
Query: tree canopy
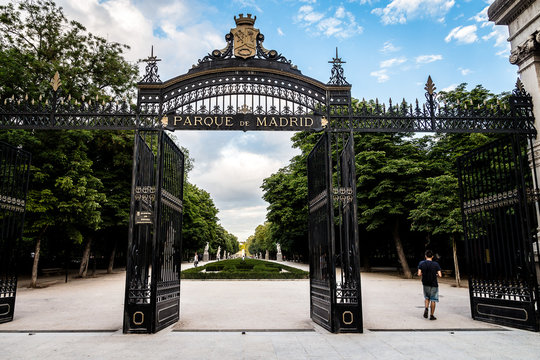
406, 187
80, 181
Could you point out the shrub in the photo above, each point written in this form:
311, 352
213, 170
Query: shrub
247, 269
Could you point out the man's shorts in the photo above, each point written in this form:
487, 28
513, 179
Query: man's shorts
431, 293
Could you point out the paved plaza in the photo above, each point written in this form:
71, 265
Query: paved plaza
253, 320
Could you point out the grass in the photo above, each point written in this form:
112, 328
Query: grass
244, 269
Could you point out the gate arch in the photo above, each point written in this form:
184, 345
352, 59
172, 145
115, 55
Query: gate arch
251, 88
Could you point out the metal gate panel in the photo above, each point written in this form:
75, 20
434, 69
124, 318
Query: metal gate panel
348, 307
498, 196
321, 234
138, 312
14, 171
167, 258
152, 299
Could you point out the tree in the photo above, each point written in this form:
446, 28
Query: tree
37, 40
390, 169
65, 196
199, 221
261, 241
438, 212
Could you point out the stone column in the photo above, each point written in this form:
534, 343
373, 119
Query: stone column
267, 255
279, 256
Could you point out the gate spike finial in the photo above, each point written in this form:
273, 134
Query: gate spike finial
55, 81
430, 86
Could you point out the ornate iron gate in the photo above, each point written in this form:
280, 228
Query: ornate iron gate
321, 234
499, 196
14, 171
152, 299
335, 296
348, 307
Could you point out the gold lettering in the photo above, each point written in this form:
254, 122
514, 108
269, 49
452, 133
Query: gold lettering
198, 119
273, 122
309, 121
294, 121
187, 121
283, 121
177, 119
208, 123
218, 122
228, 120
261, 122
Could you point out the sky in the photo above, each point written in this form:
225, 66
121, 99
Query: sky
389, 46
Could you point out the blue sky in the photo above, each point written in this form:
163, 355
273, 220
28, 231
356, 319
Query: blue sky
390, 47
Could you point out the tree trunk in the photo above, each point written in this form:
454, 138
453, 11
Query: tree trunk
33, 282
111, 259
428, 240
456, 265
401, 254
83, 270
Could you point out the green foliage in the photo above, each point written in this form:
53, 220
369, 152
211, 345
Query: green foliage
200, 224
401, 179
37, 40
244, 269
437, 208
390, 171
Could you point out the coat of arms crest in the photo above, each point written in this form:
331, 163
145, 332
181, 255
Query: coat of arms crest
245, 37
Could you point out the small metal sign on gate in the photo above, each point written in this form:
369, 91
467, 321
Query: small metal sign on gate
144, 217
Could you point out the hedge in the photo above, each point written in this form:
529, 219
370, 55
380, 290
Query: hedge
244, 269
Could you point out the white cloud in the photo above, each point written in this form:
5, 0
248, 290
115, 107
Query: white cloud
498, 33
134, 24
249, 4
464, 72
482, 17
392, 62
426, 59
280, 32
232, 170
450, 88
463, 34
307, 15
400, 11
388, 47
381, 75
342, 24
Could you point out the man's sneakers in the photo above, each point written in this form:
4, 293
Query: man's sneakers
426, 314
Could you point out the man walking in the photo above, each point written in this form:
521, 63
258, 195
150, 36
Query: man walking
429, 270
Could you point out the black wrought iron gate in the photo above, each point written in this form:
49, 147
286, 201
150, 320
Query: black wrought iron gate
499, 195
348, 308
335, 297
321, 234
152, 300
14, 170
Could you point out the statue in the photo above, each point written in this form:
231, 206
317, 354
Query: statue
206, 255
279, 256
218, 252
278, 247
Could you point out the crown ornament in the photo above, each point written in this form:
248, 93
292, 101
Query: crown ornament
241, 20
